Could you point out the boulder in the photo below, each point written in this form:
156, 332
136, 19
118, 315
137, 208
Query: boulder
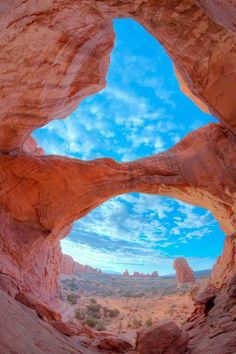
116, 344
164, 337
67, 329
42, 310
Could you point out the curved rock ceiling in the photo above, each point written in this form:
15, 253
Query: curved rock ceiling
53, 54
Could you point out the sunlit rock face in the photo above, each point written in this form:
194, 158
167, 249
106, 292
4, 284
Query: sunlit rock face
184, 273
55, 53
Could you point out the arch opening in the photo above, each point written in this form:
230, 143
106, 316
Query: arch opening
140, 112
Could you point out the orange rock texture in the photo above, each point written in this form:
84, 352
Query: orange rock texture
55, 53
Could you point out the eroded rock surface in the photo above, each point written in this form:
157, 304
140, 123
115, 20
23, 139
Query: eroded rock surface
46, 79
184, 273
21, 331
212, 326
54, 191
55, 53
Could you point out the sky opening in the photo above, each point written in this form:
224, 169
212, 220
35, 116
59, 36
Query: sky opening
140, 112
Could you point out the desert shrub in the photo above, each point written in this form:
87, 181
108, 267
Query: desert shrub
72, 298
105, 311
93, 301
149, 322
113, 313
120, 326
80, 314
72, 284
90, 321
136, 323
129, 325
100, 326
94, 310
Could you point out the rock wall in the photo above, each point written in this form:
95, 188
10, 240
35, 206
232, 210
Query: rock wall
53, 54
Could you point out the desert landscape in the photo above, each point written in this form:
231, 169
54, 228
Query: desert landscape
119, 304
54, 54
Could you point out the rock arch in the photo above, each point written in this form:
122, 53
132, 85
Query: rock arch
53, 54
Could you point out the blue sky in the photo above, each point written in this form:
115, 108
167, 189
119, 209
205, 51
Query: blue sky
140, 112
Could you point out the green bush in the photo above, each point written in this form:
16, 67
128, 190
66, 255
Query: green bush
105, 310
149, 322
73, 284
94, 310
113, 313
90, 321
80, 314
72, 298
136, 323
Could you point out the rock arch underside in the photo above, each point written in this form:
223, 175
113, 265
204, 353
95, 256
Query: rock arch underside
53, 54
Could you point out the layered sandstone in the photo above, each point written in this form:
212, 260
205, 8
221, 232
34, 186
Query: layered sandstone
55, 53
212, 326
184, 273
44, 80
54, 191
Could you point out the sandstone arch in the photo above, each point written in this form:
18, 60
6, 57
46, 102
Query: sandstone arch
52, 55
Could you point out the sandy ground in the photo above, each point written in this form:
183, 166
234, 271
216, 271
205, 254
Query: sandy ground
136, 312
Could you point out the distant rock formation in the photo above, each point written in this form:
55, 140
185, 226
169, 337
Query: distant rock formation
152, 275
126, 273
71, 267
184, 273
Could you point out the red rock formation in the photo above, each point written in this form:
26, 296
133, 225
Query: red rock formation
212, 327
154, 274
225, 266
42, 311
54, 75
221, 11
50, 196
164, 337
116, 344
184, 273
71, 267
21, 331
47, 79
55, 53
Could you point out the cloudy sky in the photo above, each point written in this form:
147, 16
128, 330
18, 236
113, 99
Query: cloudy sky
139, 113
